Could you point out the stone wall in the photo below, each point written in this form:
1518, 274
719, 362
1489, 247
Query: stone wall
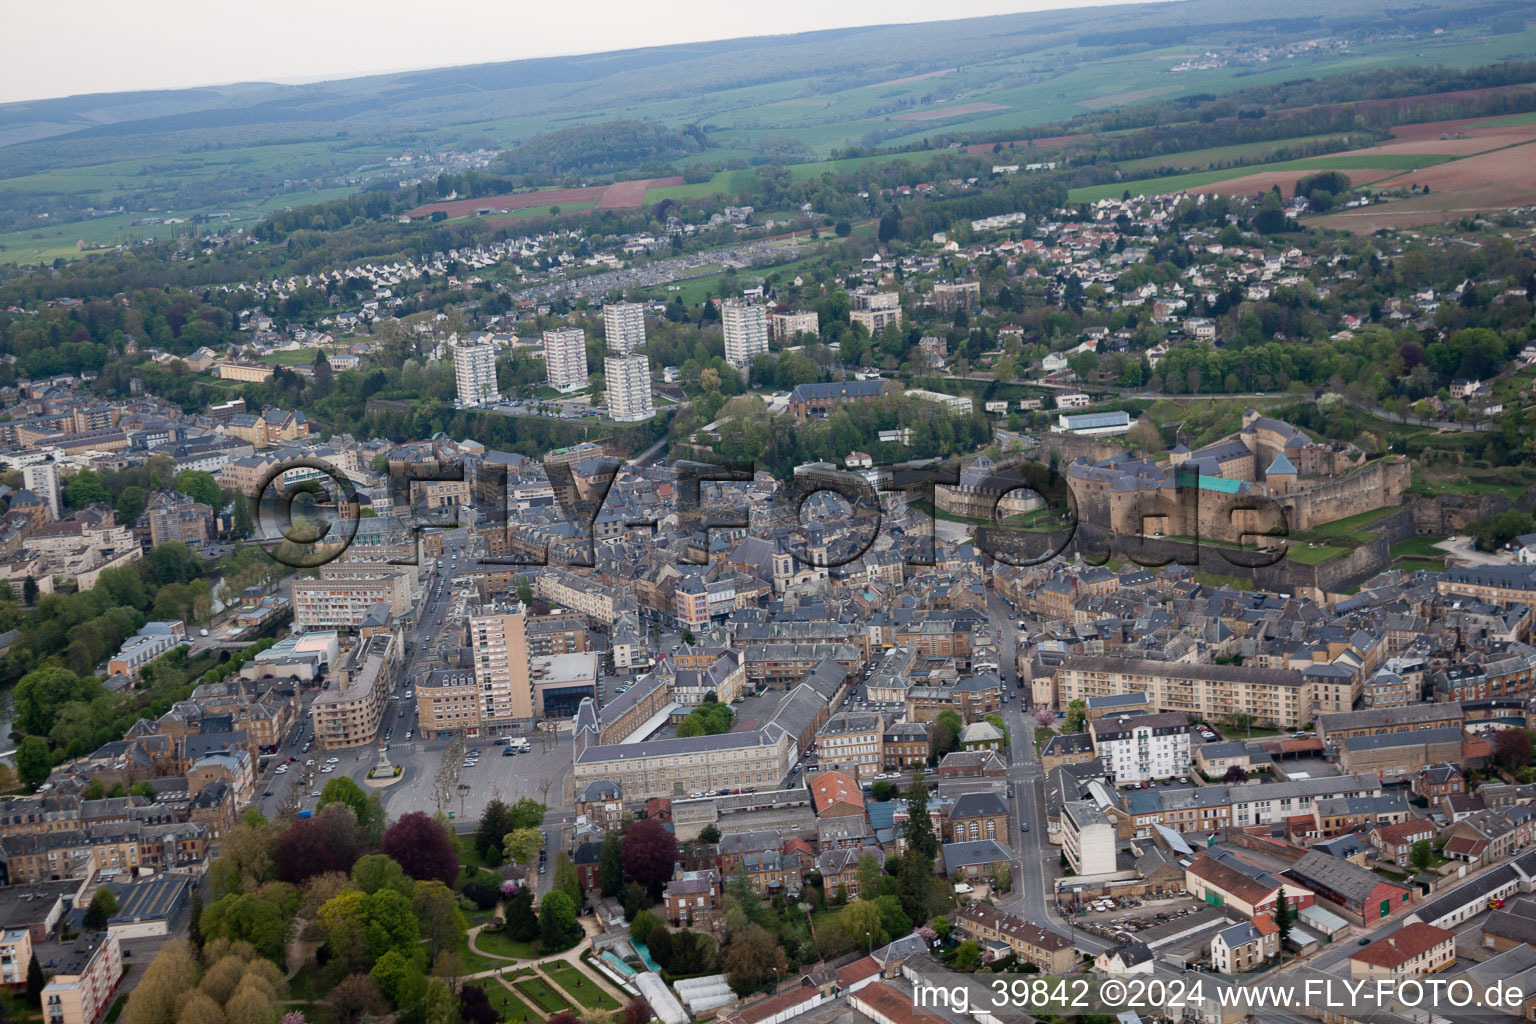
1447, 514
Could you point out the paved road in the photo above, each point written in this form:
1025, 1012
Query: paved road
1036, 860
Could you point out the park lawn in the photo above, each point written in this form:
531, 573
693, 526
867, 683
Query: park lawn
1418, 547
475, 962
542, 996
1352, 524
1315, 555
501, 944
509, 1005
1043, 734
579, 985
1418, 564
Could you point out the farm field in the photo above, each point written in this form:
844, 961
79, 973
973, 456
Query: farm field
624, 193
1478, 184
1360, 160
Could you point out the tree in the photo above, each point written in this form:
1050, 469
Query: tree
649, 854
871, 871
437, 912
355, 999
475, 1007
194, 920
522, 923
610, 864
495, 823
967, 956
752, 958
1421, 855
566, 879
103, 906
330, 841
1077, 714
389, 973
636, 1012
201, 487
376, 871
422, 848
521, 845
1511, 748
170, 975
366, 807
557, 923
1283, 917
1045, 717
914, 883
42, 693
640, 927
920, 835
36, 981
1234, 775
884, 790
33, 762
659, 941
709, 834
863, 920
528, 813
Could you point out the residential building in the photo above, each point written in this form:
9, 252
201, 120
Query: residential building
1142, 748
344, 594
1277, 698
692, 898
499, 645
1088, 839
474, 372
1049, 951
623, 326
565, 359
787, 325
84, 981
628, 384
350, 712
948, 298
1245, 945
1412, 950
852, 742
42, 479
448, 702
746, 332
960, 405
976, 816
15, 956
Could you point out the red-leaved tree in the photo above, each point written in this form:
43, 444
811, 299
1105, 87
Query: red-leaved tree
421, 846
649, 853
330, 841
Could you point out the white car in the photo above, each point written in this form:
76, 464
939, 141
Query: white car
281, 770
327, 770
310, 763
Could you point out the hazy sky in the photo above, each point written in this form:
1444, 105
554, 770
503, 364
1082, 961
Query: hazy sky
68, 47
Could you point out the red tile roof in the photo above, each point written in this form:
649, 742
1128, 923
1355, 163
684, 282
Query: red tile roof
834, 787
1403, 945
857, 971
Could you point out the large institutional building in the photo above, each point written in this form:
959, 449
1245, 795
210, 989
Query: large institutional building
565, 358
624, 326
746, 332
474, 371
629, 388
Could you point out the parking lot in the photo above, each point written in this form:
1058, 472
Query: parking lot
494, 775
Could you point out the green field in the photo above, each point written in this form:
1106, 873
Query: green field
1354, 524
1196, 158
1418, 547
1181, 182
294, 357
509, 1005
500, 944
579, 985
1308, 555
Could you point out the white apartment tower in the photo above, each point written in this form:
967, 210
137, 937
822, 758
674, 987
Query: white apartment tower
43, 481
474, 371
565, 358
624, 326
629, 388
746, 332
500, 645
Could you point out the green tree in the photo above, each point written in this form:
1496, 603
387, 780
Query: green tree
709, 834
610, 865
367, 807
42, 693
1421, 855
521, 845
1077, 714
103, 905
85, 488
914, 884
201, 487
967, 956
920, 836
376, 871
33, 762
1283, 916
862, 919
557, 923
566, 879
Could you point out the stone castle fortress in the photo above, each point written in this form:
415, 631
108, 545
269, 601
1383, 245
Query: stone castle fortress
1238, 487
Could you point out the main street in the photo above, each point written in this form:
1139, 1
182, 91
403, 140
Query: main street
1035, 859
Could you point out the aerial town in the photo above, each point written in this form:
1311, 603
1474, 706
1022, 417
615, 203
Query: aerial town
857, 594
